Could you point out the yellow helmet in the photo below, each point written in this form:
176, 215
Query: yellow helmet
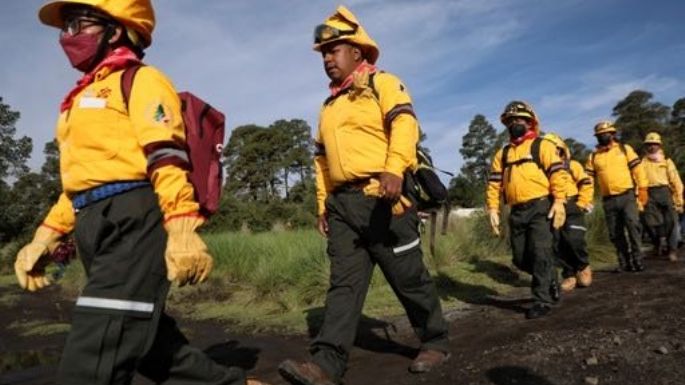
136, 15
653, 138
520, 109
604, 126
344, 26
559, 142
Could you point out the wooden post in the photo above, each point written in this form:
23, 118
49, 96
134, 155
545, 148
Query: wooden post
434, 225
445, 217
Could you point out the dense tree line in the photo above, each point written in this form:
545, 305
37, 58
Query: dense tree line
635, 116
269, 175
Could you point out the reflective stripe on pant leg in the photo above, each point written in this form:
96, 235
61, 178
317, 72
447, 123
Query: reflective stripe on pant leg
573, 232
400, 258
123, 243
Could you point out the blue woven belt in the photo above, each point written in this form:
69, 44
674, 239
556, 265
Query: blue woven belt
99, 193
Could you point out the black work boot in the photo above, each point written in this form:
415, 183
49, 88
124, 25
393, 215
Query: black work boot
554, 289
538, 310
636, 263
623, 263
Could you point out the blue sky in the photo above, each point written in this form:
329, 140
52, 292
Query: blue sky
572, 59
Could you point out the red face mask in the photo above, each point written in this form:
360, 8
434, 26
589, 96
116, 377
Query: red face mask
81, 49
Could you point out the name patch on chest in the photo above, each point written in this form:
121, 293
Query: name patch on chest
92, 102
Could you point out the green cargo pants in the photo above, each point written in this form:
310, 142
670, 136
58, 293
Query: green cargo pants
660, 216
531, 246
119, 325
362, 233
570, 247
623, 218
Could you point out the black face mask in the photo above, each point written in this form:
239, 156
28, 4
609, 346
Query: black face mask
604, 139
516, 130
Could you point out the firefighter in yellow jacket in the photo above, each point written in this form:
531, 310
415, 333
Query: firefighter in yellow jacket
620, 174
665, 196
530, 174
127, 199
365, 143
569, 241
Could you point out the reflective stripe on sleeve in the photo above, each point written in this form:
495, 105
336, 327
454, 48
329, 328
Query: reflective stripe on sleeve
495, 177
162, 153
115, 304
576, 227
406, 247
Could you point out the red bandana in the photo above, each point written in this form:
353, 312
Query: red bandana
363, 67
120, 58
530, 134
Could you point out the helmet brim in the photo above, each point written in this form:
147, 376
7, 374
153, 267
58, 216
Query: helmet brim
51, 13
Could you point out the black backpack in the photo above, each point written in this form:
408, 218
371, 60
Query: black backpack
423, 185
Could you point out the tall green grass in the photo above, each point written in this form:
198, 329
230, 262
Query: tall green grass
278, 280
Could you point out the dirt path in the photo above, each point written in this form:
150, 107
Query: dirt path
627, 328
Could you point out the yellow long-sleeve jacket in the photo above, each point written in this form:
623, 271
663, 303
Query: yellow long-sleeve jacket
583, 187
102, 141
523, 179
364, 131
617, 170
662, 172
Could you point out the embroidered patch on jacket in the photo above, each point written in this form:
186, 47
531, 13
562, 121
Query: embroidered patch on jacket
159, 113
104, 93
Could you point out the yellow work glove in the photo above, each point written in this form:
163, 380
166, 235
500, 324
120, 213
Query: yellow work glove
679, 209
186, 256
32, 259
402, 205
587, 207
494, 221
643, 196
557, 213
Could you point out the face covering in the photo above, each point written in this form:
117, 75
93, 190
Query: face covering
604, 139
81, 49
516, 130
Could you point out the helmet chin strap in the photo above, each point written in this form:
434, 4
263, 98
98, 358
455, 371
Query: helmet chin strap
110, 30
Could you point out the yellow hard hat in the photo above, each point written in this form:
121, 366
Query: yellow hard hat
344, 26
559, 142
135, 15
604, 126
519, 109
653, 138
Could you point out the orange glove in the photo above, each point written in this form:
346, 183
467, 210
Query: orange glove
29, 266
186, 256
642, 196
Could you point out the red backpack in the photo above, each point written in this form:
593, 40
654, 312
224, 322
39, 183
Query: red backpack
204, 128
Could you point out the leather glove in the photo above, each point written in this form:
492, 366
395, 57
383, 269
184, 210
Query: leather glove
643, 196
186, 256
29, 266
494, 221
557, 213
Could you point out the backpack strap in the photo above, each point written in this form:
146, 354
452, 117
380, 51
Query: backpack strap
534, 155
503, 160
127, 82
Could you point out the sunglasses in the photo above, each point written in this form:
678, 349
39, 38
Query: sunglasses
324, 33
76, 22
